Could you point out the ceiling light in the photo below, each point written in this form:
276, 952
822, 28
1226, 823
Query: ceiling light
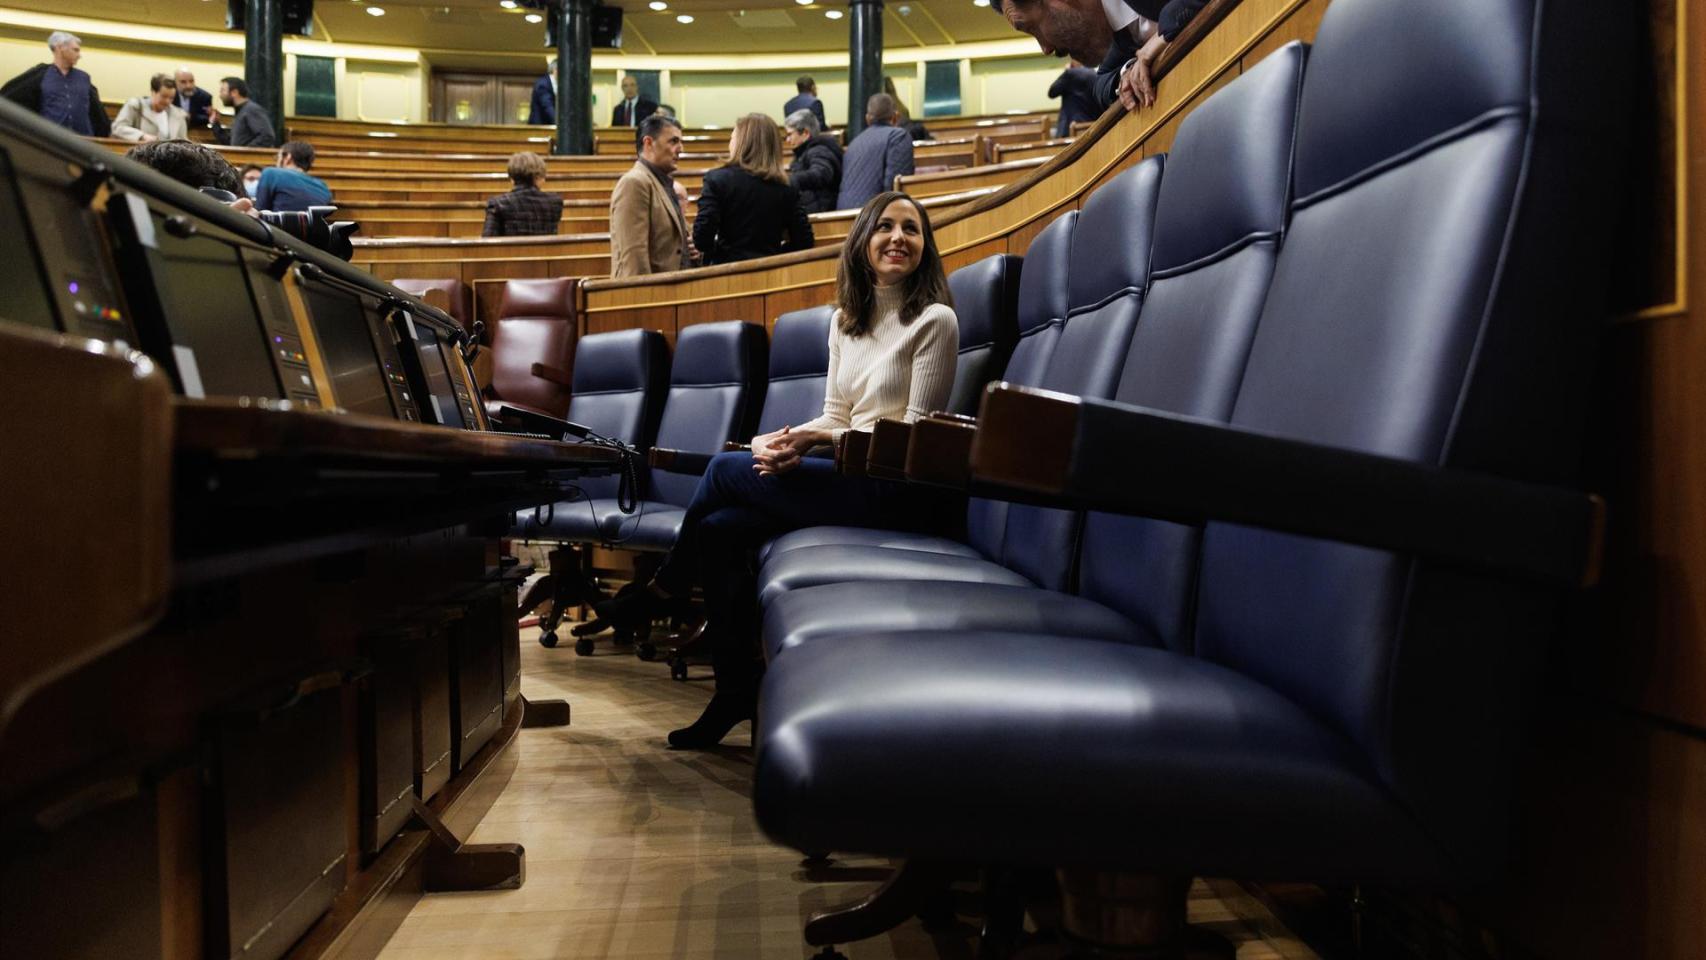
535, 18
804, 3
508, 4
376, 11
980, 3
905, 10
683, 18
658, 5
832, 14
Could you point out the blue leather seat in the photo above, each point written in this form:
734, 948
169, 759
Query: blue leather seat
716, 386
1041, 312
799, 367
620, 382
986, 303
1218, 225
1342, 713
1105, 289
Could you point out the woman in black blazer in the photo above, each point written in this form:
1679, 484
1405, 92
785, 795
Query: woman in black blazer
747, 208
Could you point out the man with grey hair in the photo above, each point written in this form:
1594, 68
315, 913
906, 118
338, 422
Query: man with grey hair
875, 157
59, 91
192, 99
816, 169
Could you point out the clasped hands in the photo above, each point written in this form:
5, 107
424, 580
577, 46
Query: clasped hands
780, 451
1137, 80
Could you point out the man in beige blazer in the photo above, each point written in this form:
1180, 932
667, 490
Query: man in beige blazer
154, 117
648, 228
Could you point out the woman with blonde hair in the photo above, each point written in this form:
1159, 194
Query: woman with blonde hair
747, 207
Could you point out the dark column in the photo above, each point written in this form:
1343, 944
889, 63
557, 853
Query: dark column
263, 58
574, 77
865, 59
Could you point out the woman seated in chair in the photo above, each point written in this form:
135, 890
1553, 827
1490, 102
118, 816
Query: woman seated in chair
892, 349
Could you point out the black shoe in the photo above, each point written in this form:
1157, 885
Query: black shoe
630, 611
721, 715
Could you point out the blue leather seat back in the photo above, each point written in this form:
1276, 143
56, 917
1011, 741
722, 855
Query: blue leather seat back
986, 302
1434, 300
619, 384
716, 385
1105, 290
1218, 225
1042, 314
799, 366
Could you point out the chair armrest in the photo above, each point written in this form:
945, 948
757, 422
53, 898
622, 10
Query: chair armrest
940, 451
679, 461
557, 375
733, 447
1101, 455
851, 451
886, 458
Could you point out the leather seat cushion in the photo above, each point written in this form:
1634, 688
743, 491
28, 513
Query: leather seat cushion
865, 537
836, 611
653, 526
815, 566
942, 746
574, 521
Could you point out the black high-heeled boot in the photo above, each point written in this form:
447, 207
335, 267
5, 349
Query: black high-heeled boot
726, 709
630, 611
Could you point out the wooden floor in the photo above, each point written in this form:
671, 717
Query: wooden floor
636, 851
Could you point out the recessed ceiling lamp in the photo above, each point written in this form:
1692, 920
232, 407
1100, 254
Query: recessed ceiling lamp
535, 18
804, 3
508, 4
683, 18
980, 3
832, 14
905, 10
658, 5
376, 11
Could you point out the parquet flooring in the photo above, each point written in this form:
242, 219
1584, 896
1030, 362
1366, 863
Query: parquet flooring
635, 851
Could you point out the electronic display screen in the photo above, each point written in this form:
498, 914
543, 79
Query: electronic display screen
28, 299
346, 341
218, 344
441, 390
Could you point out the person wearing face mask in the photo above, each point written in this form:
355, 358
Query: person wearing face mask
154, 117
251, 173
892, 349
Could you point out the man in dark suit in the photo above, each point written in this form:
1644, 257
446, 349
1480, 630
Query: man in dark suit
192, 99
542, 109
1076, 90
806, 99
527, 210
632, 108
1114, 34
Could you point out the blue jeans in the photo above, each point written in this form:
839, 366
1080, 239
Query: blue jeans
735, 511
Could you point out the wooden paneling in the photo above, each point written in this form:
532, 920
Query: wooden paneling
802, 298
750, 309
656, 318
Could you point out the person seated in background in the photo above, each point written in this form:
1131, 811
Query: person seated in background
648, 230
747, 207
806, 99
251, 127
154, 117
665, 110
892, 349
191, 99
632, 108
289, 186
193, 165
1111, 34
60, 92
902, 116
526, 210
251, 174
1076, 90
816, 169
881, 152
542, 108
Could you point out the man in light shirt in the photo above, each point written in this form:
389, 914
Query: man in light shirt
632, 108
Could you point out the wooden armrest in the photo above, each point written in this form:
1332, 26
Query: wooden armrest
939, 453
966, 419
557, 375
678, 461
1088, 454
851, 451
733, 447
886, 458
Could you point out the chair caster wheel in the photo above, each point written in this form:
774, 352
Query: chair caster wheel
677, 668
547, 640
583, 647
647, 651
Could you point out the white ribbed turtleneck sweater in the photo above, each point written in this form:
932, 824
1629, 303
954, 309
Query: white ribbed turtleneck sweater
901, 371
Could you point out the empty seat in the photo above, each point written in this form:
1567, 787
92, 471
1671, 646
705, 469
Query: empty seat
1219, 221
458, 298
799, 367
1342, 713
533, 346
986, 304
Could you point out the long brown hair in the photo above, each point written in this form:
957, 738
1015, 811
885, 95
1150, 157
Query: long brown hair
756, 148
856, 280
